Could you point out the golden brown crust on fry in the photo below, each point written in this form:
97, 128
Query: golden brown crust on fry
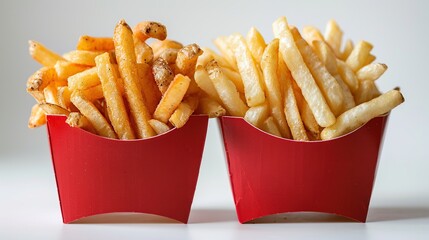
145, 30
163, 74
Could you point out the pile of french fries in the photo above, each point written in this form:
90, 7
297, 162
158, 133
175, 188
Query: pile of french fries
119, 87
302, 86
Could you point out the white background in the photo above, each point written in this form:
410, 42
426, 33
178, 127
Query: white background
398, 29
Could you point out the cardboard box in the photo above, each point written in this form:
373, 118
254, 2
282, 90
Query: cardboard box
97, 175
272, 175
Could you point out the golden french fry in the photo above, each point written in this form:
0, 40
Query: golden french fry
209, 55
169, 55
37, 117
185, 109
367, 91
126, 58
311, 34
202, 78
307, 117
348, 48
250, 73
89, 43
328, 85
144, 53
222, 43
63, 95
333, 36
50, 93
292, 113
359, 55
371, 58
172, 98
66, 69
348, 75
326, 55
82, 57
148, 86
42, 54
109, 83
371, 72
256, 44
226, 90
90, 111
235, 78
210, 107
257, 115
53, 109
145, 30
83, 80
187, 59
361, 114
269, 65
39, 81
159, 46
269, 126
162, 74
158, 126
76, 119
302, 75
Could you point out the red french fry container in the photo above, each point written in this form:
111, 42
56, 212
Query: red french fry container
97, 175
271, 175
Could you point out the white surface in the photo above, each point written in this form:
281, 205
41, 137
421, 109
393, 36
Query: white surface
398, 29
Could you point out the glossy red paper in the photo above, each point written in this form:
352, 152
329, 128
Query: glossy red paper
272, 175
98, 175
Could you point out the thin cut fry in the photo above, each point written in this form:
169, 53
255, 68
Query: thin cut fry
185, 109
307, 117
82, 57
361, 114
53, 109
169, 55
210, 107
76, 119
269, 126
90, 43
39, 81
333, 36
367, 91
50, 93
209, 55
358, 57
145, 30
235, 78
83, 80
63, 95
144, 53
148, 86
347, 74
187, 59
311, 34
42, 54
158, 126
163, 74
159, 46
292, 113
202, 78
257, 115
256, 44
37, 117
66, 69
348, 48
371, 72
222, 43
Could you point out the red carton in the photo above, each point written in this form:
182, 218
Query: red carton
272, 175
98, 175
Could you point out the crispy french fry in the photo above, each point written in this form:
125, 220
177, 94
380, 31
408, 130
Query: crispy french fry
367, 91
185, 109
250, 73
226, 90
82, 57
302, 75
371, 58
125, 56
311, 34
235, 78
90, 111
371, 72
333, 36
292, 113
348, 48
361, 114
66, 69
42, 54
202, 78
326, 55
347, 74
109, 83
307, 117
76, 119
222, 43
209, 55
269, 62
158, 126
83, 80
159, 46
163, 74
144, 53
256, 44
359, 55
172, 98
89, 43
169, 55
145, 30
39, 81
149, 88
63, 95
257, 115
53, 109
269, 126
37, 117
93, 93
50, 93
328, 85
187, 59
210, 107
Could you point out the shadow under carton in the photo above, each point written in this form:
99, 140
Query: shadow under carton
270, 175
97, 175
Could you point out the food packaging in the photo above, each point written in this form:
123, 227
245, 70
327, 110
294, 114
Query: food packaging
97, 175
271, 175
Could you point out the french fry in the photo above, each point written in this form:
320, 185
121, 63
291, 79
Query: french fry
222, 43
115, 103
90, 111
326, 55
37, 117
50, 93
158, 126
82, 57
172, 98
333, 36
185, 109
367, 91
187, 59
359, 55
162, 74
250, 74
53, 109
125, 56
145, 30
226, 90
348, 48
348, 75
328, 85
235, 78
292, 113
159, 46
307, 117
39, 81
311, 34
371, 58
209, 55
269, 126
42, 54
89, 43
257, 115
144, 53
63, 95
302, 75
210, 107
256, 44
148, 86
269, 62
83, 80
371, 72
361, 114
169, 55
76, 119
66, 69
202, 78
